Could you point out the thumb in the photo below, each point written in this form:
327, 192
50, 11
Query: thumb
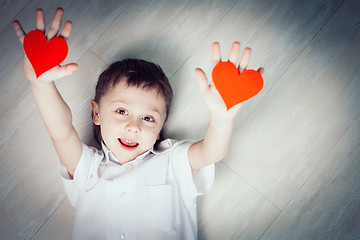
67, 70
58, 72
202, 80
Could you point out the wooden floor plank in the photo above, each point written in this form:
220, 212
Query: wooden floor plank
90, 19
233, 210
164, 32
30, 186
305, 114
59, 225
328, 205
276, 32
286, 162
8, 10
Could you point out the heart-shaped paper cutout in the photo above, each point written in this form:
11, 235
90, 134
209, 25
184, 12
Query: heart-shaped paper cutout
233, 87
44, 55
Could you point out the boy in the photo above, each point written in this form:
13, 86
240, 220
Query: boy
130, 189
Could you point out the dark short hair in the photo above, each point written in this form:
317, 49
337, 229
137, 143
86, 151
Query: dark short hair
137, 72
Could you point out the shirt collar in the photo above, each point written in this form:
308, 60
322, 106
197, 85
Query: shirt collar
109, 156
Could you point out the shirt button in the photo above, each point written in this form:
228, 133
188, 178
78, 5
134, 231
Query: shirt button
123, 236
123, 195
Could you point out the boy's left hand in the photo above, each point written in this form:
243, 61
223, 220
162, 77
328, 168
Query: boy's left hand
210, 94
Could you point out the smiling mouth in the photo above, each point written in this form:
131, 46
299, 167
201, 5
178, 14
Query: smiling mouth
128, 144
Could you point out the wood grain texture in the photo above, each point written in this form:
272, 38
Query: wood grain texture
30, 189
90, 19
328, 205
270, 28
8, 10
59, 225
304, 115
164, 32
293, 169
233, 209
30, 186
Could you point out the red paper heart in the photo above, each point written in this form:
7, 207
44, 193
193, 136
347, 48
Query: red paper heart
44, 55
233, 87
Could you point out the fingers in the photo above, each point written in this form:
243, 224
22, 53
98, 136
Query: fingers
202, 80
65, 33
233, 56
19, 31
216, 54
244, 59
58, 72
40, 22
56, 23
261, 70
234, 52
40, 25
68, 69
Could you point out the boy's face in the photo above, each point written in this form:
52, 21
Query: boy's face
130, 119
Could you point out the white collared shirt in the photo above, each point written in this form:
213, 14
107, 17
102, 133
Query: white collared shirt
151, 197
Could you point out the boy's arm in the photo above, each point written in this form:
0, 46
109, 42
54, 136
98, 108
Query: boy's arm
217, 139
214, 146
58, 121
54, 111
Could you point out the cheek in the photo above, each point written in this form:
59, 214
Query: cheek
152, 133
107, 127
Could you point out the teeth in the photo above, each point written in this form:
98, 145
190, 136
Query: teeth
128, 142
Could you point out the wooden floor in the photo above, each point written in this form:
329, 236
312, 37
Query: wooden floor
293, 171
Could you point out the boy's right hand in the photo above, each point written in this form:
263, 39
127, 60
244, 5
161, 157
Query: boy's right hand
58, 71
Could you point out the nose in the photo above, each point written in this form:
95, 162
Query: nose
133, 126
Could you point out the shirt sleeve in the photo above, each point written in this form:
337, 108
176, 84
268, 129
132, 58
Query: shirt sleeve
192, 183
74, 187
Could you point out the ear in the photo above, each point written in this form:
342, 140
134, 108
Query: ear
96, 112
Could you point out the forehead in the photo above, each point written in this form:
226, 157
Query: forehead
135, 96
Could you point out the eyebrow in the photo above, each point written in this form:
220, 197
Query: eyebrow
126, 103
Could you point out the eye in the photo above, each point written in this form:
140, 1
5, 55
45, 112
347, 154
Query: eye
148, 119
122, 112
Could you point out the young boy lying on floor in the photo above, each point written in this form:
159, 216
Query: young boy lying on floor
130, 188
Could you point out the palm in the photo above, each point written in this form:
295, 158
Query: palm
48, 76
215, 103
209, 93
58, 71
